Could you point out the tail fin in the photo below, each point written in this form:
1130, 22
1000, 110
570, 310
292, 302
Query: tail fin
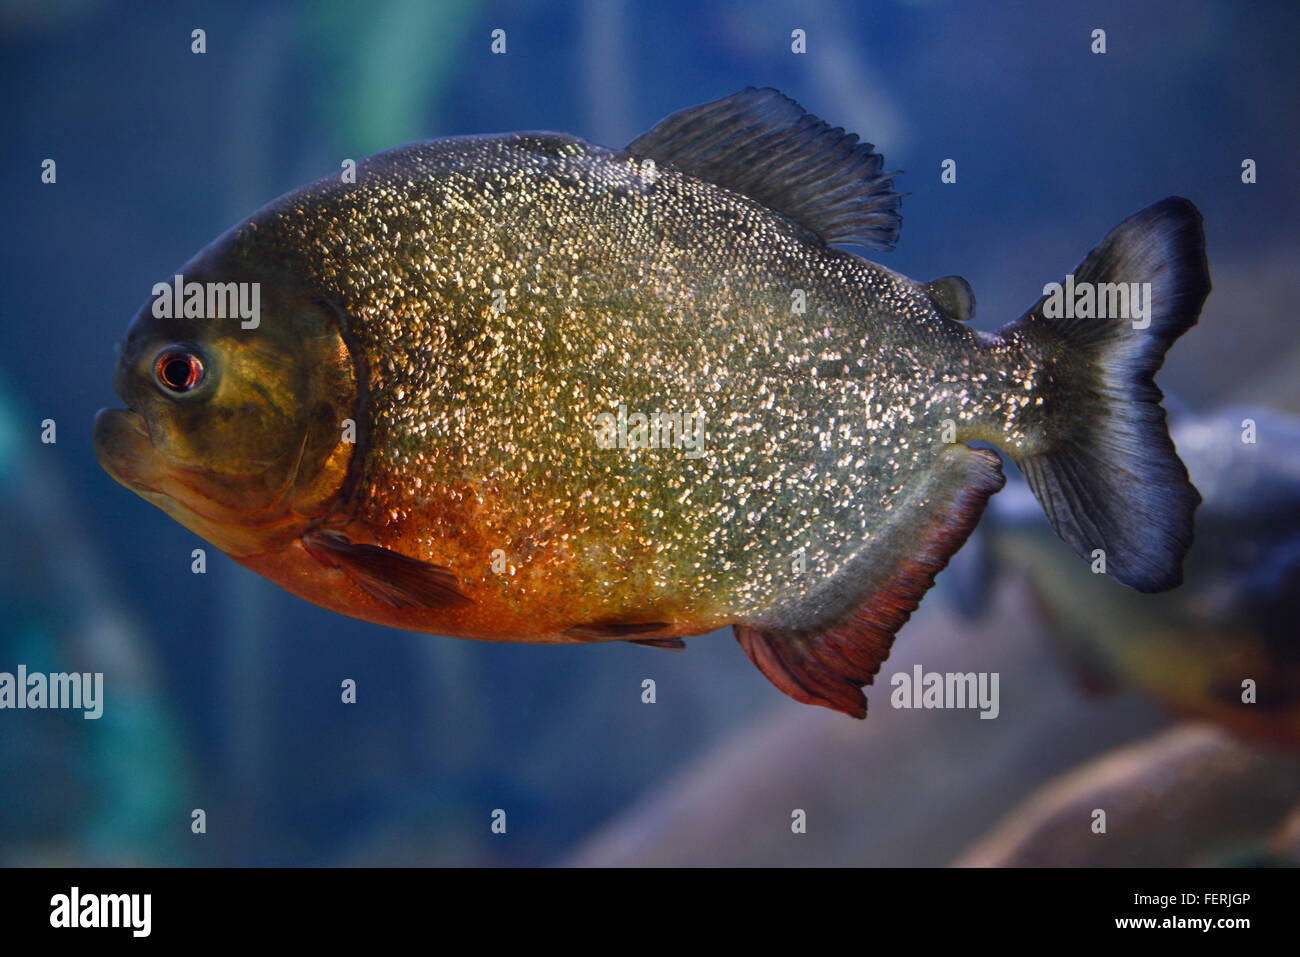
1111, 479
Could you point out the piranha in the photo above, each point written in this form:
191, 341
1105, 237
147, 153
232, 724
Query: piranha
1223, 648
524, 388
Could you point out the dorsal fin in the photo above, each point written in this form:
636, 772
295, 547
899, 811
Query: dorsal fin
952, 296
766, 146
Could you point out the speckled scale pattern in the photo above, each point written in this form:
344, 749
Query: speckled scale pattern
626, 284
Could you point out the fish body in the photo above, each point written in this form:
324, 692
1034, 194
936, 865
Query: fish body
524, 388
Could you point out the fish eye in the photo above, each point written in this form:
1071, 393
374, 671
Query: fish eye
178, 369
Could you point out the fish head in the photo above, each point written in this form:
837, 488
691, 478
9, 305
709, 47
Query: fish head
239, 423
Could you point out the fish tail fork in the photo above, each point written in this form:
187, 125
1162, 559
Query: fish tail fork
1106, 471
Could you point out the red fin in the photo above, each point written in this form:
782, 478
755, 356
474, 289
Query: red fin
828, 663
668, 644
395, 579
604, 630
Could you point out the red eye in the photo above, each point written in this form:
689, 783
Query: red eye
178, 370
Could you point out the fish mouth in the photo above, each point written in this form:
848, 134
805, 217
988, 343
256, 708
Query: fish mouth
125, 450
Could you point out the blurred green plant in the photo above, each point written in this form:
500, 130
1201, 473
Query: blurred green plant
386, 63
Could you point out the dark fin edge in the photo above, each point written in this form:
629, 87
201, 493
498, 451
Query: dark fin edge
828, 666
764, 145
1113, 480
388, 576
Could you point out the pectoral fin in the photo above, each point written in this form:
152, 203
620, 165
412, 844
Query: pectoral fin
848, 635
393, 578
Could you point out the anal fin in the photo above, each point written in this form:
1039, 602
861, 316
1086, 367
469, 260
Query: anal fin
393, 578
827, 661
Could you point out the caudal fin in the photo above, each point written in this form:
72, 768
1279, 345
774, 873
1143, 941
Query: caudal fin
1110, 478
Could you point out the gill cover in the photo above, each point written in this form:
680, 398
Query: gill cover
235, 426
